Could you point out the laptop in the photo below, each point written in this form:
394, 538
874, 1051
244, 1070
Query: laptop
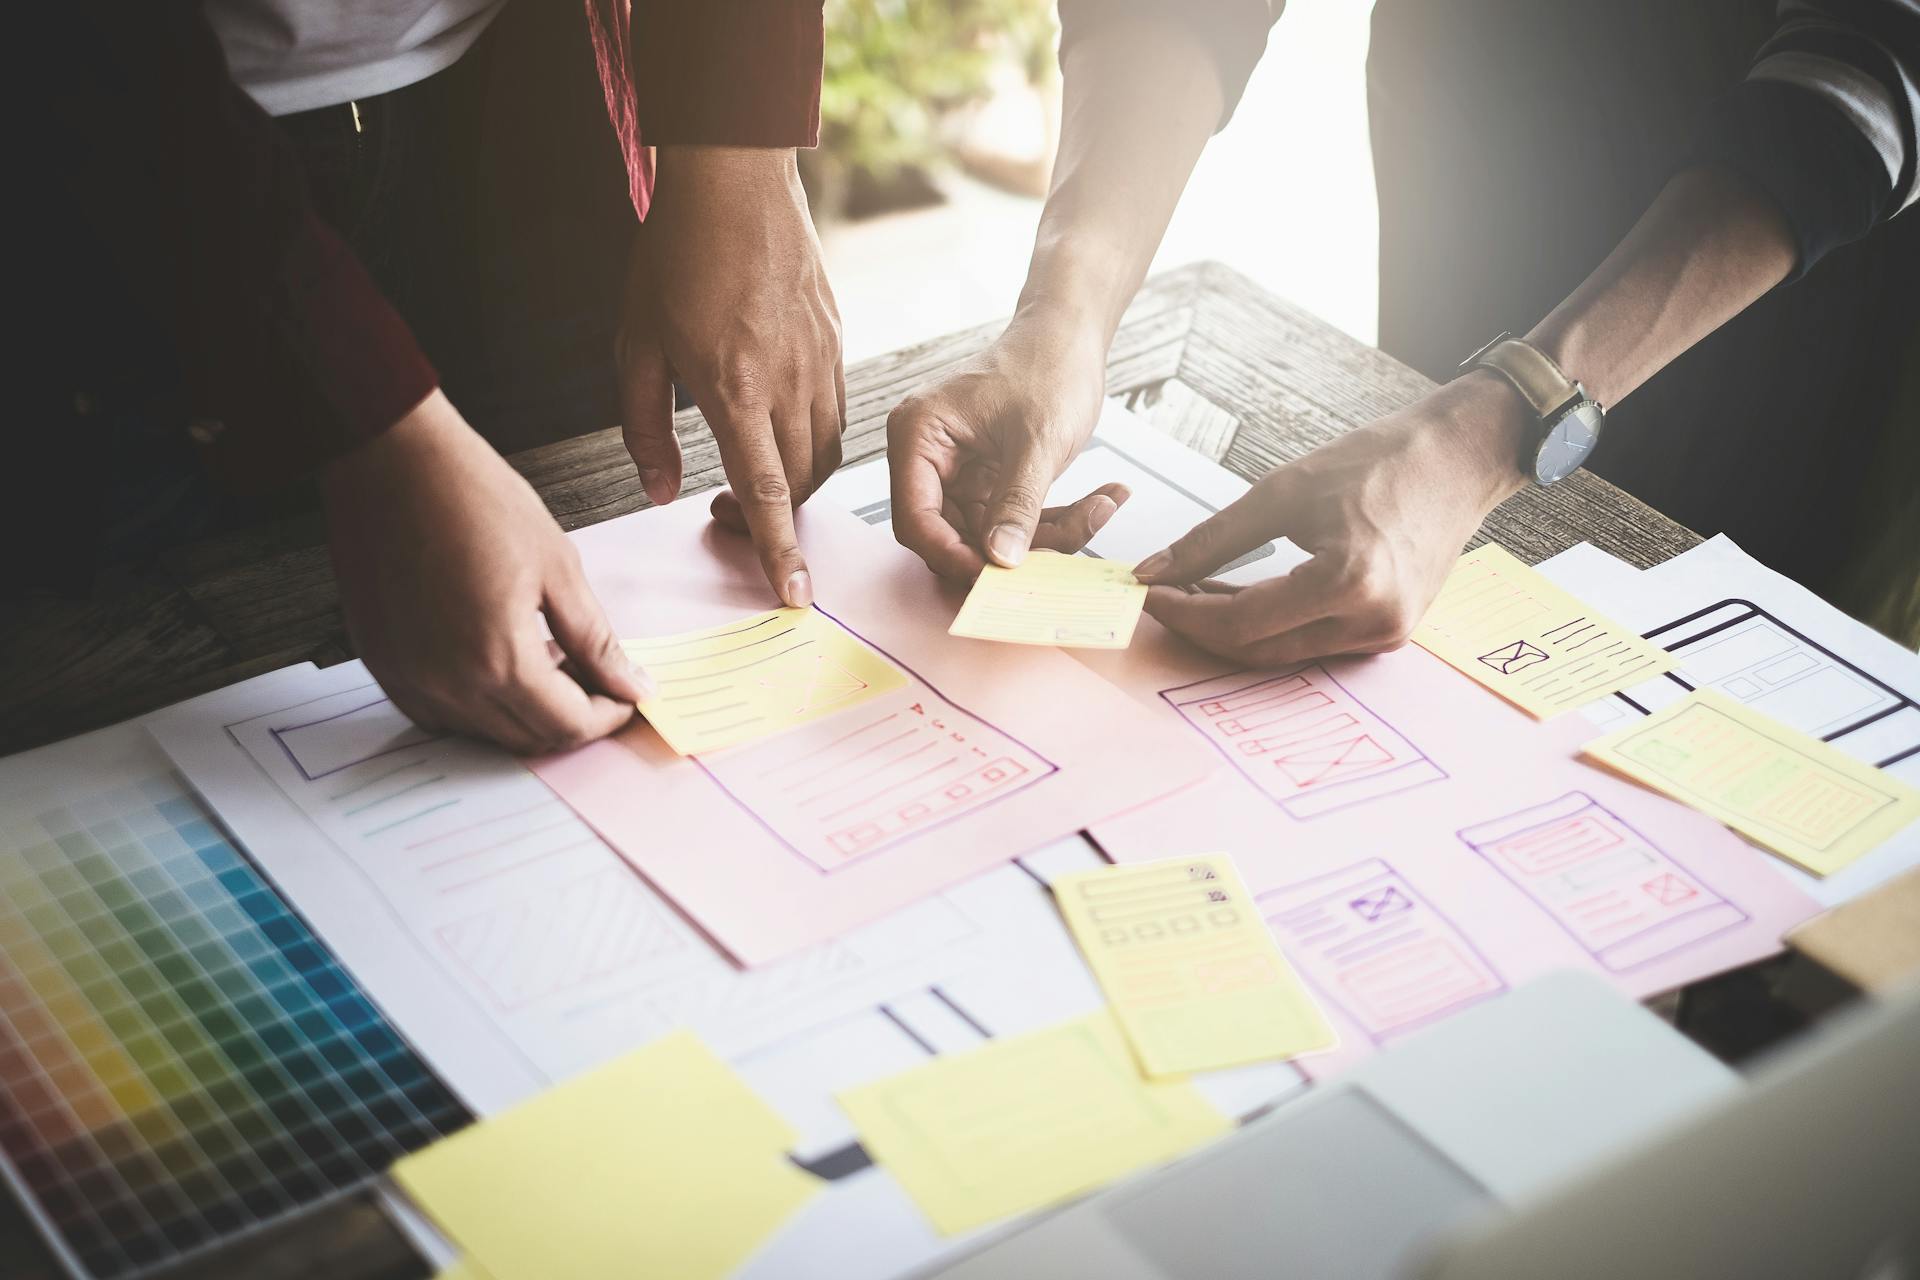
1359, 1177
1811, 1172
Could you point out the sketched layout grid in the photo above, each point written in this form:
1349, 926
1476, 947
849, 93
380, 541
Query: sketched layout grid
1572, 845
1375, 947
1747, 611
1374, 759
1044, 769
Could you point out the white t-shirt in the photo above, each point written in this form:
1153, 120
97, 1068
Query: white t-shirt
296, 55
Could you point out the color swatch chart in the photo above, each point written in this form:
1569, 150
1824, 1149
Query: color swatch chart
180, 1058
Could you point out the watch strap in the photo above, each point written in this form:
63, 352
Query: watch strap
1540, 381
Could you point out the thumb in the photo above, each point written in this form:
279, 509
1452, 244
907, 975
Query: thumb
581, 629
1013, 512
646, 416
1253, 518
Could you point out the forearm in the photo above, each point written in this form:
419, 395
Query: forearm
1142, 96
1709, 247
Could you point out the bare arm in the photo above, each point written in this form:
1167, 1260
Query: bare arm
1385, 509
973, 455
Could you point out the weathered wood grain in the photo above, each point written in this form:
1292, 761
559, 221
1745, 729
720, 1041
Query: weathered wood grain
1203, 354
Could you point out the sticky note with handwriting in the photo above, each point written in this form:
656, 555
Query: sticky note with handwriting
756, 677
1502, 623
1075, 602
1779, 787
1025, 1122
662, 1163
1195, 978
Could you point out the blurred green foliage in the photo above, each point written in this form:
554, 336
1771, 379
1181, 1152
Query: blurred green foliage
893, 67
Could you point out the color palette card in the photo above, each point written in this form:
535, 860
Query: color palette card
661, 1163
181, 1059
1502, 623
1074, 602
1195, 978
755, 677
1026, 1122
1779, 787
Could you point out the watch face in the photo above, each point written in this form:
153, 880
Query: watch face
1569, 441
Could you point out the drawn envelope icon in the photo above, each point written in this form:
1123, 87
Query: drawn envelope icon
1517, 656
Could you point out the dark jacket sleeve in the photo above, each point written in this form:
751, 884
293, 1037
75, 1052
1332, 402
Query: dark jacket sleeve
1825, 122
287, 352
1234, 30
742, 73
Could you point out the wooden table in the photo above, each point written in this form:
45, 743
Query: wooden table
1204, 354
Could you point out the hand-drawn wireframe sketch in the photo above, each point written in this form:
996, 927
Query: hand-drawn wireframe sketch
1611, 889
848, 785
1374, 946
1303, 739
1512, 658
1753, 656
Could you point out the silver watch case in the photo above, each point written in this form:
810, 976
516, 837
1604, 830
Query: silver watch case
1568, 439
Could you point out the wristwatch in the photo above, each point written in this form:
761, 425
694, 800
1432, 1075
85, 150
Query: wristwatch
1568, 420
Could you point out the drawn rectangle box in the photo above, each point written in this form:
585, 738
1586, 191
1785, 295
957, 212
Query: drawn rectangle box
364, 727
1369, 941
847, 787
1610, 888
1299, 736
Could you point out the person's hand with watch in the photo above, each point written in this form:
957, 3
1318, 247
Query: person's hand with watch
1385, 510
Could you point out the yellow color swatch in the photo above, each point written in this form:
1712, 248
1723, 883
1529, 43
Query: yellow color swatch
1076, 602
1541, 649
1024, 1123
662, 1163
1195, 978
1781, 788
756, 677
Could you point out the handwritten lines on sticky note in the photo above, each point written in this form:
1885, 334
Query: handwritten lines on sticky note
1076, 602
1025, 1122
755, 677
1195, 978
1506, 626
662, 1163
1782, 788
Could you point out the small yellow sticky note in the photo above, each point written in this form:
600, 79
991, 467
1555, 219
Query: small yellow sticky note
756, 677
1025, 1122
1076, 602
1195, 978
1541, 649
1781, 788
662, 1163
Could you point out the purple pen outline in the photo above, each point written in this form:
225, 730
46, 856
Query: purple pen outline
1420, 899
1549, 911
278, 731
1240, 768
905, 836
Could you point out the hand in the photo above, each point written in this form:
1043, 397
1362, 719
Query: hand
1384, 510
726, 287
445, 558
973, 455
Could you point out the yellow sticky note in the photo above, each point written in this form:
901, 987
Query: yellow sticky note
462, 1269
1025, 1122
1195, 978
756, 677
1541, 649
1076, 602
1781, 788
662, 1163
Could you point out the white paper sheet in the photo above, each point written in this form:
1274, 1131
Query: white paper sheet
1753, 634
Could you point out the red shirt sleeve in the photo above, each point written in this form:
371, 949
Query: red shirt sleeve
289, 354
